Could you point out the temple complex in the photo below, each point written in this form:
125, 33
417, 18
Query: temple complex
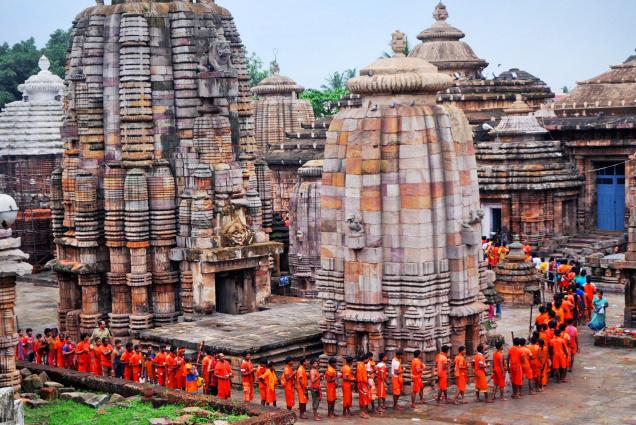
517, 280
480, 98
13, 264
400, 218
158, 125
527, 185
30, 149
628, 266
596, 124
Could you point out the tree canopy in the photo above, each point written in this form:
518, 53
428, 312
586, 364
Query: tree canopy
20, 61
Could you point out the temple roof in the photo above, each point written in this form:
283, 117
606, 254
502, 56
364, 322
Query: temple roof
613, 90
301, 146
517, 121
31, 126
277, 84
442, 47
517, 74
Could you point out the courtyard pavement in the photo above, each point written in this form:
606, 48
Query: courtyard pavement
602, 389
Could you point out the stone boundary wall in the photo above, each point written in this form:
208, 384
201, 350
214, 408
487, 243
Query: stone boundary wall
259, 415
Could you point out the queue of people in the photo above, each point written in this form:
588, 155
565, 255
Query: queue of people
549, 352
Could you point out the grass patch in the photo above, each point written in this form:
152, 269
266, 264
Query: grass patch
66, 412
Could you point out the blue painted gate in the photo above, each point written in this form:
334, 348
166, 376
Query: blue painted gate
610, 192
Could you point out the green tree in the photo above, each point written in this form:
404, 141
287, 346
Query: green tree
56, 49
255, 68
566, 89
324, 102
338, 80
20, 61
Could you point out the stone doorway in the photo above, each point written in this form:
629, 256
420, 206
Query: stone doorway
492, 222
236, 292
610, 195
569, 218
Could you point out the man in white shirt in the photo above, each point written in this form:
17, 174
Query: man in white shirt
397, 378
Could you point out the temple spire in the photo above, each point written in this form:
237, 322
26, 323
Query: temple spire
440, 13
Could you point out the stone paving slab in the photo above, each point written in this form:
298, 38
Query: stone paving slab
279, 325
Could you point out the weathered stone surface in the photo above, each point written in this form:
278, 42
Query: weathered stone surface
36, 403
159, 421
44, 377
53, 384
48, 393
400, 216
116, 398
32, 383
25, 372
183, 420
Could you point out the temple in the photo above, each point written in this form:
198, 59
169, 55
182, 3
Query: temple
517, 280
158, 125
400, 218
480, 98
527, 185
30, 149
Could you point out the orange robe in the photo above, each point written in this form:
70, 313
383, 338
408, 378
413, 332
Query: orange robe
417, 371
59, 354
105, 359
380, 379
287, 379
222, 370
516, 368
262, 387
331, 375
461, 372
171, 363
302, 384
544, 360
347, 392
96, 360
498, 369
558, 353
535, 362
160, 368
542, 319
481, 383
362, 380
397, 380
136, 360
526, 354
84, 359
271, 382
247, 380
441, 361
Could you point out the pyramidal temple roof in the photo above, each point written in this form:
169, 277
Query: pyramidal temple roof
31, 126
442, 47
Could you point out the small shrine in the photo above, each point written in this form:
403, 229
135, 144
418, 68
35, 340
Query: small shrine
517, 279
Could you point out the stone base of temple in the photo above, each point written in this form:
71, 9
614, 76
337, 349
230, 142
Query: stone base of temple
514, 294
281, 328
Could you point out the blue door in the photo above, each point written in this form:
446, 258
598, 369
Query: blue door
610, 192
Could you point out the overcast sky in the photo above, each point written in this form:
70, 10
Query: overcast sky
560, 41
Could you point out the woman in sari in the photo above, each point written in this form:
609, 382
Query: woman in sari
600, 309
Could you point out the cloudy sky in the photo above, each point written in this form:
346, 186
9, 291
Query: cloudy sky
560, 41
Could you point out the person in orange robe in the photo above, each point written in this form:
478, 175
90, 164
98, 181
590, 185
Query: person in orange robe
589, 290
223, 372
96, 357
271, 382
160, 366
535, 362
315, 386
442, 363
69, 354
206, 369
59, 352
381, 375
247, 378
181, 372
125, 360
347, 390
526, 364
544, 359
302, 387
574, 341
543, 317
481, 382
192, 377
566, 339
558, 349
498, 371
171, 368
136, 363
461, 375
83, 353
417, 371
515, 368
106, 358
289, 383
397, 378
262, 386
331, 379
149, 366
362, 381
373, 392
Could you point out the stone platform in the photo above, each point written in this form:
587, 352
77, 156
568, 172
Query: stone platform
47, 278
284, 327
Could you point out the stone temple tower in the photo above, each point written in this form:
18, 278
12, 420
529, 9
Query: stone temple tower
157, 108
400, 218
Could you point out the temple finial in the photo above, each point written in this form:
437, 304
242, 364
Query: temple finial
274, 67
440, 13
44, 63
398, 43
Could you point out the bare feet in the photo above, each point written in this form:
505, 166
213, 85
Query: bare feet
364, 415
317, 418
